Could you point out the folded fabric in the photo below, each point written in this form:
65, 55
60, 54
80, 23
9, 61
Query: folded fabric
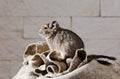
39, 64
38, 56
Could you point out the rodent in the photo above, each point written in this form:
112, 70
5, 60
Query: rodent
63, 41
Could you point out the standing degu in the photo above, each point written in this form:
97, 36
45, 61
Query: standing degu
60, 40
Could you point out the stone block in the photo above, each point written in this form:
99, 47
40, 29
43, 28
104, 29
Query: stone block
49, 7
4, 69
103, 47
97, 28
110, 7
11, 38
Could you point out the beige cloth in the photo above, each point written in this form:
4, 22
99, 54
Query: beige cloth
38, 64
37, 56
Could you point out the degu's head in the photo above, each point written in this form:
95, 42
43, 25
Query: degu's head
47, 30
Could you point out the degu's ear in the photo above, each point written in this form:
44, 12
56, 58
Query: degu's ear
54, 25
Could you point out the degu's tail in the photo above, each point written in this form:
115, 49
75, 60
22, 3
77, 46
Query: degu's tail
96, 57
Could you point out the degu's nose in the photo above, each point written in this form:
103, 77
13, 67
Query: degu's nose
40, 30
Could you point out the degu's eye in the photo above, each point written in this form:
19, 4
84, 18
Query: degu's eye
45, 27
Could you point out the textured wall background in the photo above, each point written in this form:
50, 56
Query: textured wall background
96, 21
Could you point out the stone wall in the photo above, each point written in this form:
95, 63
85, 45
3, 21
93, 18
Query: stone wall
96, 21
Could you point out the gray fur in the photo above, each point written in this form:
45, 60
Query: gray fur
61, 40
